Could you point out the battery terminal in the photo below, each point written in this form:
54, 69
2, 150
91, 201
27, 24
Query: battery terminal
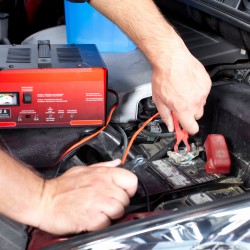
182, 157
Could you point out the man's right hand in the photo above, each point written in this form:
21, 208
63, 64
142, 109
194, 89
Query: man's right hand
86, 198
180, 84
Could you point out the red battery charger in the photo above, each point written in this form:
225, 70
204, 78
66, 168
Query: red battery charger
47, 85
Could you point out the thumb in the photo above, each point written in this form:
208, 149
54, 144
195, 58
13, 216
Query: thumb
112, 164
188, 123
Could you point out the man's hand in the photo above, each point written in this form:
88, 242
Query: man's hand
181, 86
180, 83
86, 198
82, 199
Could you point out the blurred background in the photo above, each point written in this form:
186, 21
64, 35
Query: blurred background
29, 16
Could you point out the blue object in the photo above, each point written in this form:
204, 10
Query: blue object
85, 25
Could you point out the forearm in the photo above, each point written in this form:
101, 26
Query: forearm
21, 190
145, 25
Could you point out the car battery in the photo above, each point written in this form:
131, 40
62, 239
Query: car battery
182, 176
48, 85
165, 176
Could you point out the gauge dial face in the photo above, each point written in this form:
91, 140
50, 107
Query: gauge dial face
8, 99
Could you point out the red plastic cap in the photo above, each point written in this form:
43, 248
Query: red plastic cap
218, 158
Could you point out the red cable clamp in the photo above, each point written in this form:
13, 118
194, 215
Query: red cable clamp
181, 136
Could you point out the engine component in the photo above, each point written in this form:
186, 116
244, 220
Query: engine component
48, 85
218, 159
200, 198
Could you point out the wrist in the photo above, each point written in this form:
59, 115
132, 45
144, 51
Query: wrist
166, 50
21, 190
31, 213
45, 200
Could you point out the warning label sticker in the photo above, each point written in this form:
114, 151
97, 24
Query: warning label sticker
5, 113
171, 174
199, 198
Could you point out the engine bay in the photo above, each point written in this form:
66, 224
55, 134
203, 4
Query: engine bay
167, 181
170, 181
